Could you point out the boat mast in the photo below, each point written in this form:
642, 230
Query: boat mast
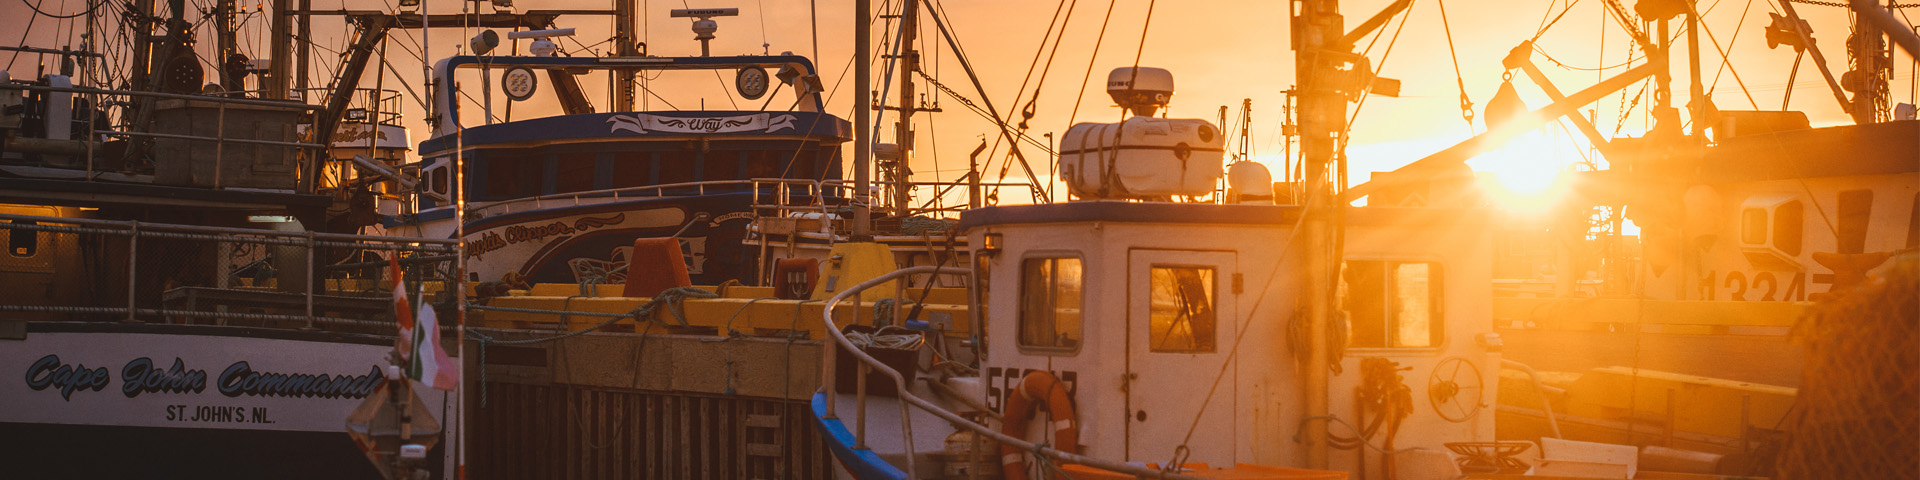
275, 85
900, 170
862, 118
1317, 30
226, 30
624, 46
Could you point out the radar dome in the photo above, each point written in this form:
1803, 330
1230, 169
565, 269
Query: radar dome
1141, 90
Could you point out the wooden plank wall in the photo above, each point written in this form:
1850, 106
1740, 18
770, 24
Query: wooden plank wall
560, 431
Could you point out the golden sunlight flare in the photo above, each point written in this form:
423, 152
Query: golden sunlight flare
1528, 174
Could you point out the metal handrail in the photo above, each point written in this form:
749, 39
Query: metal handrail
700, 189
908, 398
287, 104
1539, 389
221, 230
135, 230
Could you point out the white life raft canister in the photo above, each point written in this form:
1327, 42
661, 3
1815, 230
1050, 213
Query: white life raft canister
1142, 157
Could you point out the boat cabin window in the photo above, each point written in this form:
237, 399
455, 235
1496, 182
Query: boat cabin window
1181, 314
1392, 304
22, 242
676, 166
437, 180
573, 172
1050, 304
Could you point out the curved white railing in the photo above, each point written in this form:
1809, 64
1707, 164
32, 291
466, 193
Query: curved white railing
867, 363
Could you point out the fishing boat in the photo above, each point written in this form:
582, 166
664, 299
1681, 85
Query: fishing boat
187, 289
1062, 396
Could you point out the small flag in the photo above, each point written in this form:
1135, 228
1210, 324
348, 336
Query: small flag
431, 366
401, 314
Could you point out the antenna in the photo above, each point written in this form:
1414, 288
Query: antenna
704, 27
541, 47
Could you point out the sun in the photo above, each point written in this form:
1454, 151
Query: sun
1528, 174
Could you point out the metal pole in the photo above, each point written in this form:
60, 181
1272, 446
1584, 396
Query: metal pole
305, 43
828, 370
1746, 406
862, 119
219, 143
860, 406
308, 275
1697, 96
133, 265
1902, 35
277, 69
1668, 442
903, 131
1317, 27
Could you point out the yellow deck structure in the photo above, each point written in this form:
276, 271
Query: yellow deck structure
738, 310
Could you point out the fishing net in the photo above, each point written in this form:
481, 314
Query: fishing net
1858, 411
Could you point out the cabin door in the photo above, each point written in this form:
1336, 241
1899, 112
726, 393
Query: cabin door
1181, 318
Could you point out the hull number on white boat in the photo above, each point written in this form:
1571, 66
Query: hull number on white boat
1002, 381
1757, 286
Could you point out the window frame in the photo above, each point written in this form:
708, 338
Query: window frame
1020, 308
1437, 276
1213, 306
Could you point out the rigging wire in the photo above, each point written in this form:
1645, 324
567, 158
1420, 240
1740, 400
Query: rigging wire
23, 41
1007, 162
1097, 40
36, 9
1466, 104
1556, 19
899, 44
1027, 112
940, 21
1724, 61
1563, 65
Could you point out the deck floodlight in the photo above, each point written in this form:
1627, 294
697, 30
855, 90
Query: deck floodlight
484, 42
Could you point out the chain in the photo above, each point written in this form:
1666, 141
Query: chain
949, 91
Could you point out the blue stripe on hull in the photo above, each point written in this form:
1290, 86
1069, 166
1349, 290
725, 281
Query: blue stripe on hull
863, 463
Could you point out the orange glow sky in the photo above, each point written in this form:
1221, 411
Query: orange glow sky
1220, 52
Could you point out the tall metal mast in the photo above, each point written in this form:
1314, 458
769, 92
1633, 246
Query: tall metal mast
624, 46
900, 170
1317, 31
862, 118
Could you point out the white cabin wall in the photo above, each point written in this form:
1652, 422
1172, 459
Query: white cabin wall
1101, 350
1264, 382
1703, 274
1465, 250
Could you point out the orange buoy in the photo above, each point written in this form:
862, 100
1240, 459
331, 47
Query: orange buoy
655, 266
1036, 386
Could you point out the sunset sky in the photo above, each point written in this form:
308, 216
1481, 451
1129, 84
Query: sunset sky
1220, 53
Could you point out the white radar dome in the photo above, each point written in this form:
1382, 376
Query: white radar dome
1141, 90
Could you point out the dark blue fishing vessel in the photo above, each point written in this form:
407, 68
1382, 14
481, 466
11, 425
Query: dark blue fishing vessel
561, 198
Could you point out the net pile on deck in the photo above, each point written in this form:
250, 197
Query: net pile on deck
1858, 411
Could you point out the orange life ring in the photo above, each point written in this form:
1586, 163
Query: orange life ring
1020, 409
